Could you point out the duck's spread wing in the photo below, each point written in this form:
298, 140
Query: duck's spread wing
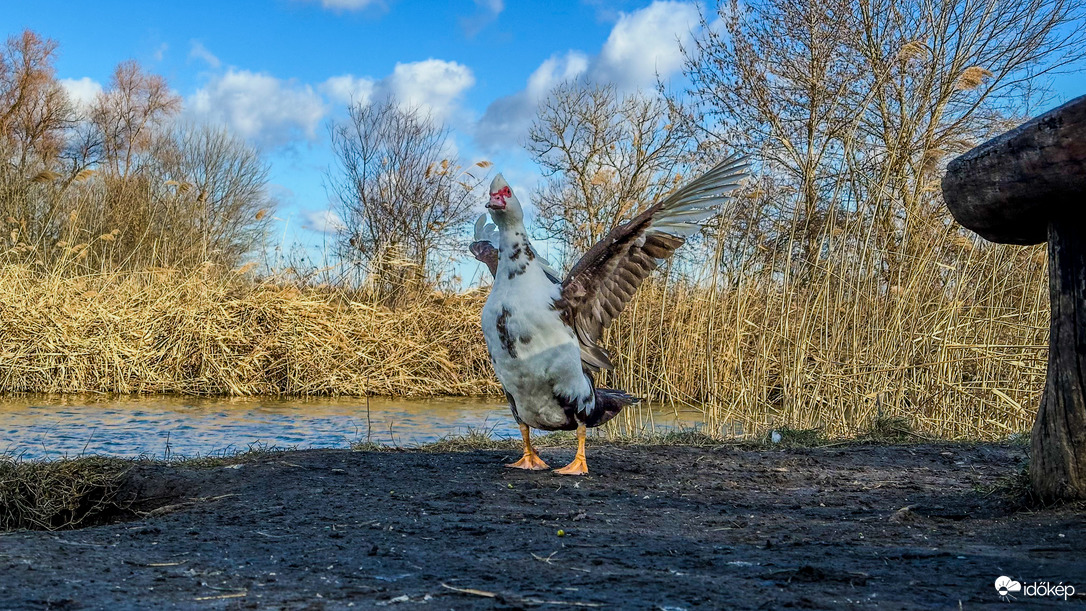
600, 285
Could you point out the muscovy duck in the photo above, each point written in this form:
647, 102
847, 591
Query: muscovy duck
542, 333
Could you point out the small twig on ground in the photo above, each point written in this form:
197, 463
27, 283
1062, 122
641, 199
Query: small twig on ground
542, 559
260, 532
222, 596
154, 564
519, 599
471, 591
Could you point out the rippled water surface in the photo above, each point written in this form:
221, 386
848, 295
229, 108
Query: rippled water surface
37, 427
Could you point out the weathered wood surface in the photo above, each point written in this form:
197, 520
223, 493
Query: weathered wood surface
1025, 187
1058, 463
1008, 188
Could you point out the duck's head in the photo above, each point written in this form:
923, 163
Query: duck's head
504, 206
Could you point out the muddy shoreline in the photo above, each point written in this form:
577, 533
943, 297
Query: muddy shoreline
653, 527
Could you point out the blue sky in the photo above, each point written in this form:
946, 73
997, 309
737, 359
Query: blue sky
277, 71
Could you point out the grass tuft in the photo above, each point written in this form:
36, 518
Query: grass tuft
794, 437
474, 439
62, 494
371, 446
254, 451
890, 429
685, 437
1015, 490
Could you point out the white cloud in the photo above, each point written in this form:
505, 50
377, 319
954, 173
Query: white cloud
556, 70
641, 45
82, 92
266, 110
323, 221
433, 85
348, 89
646, 43
274, 112
486, 12
199, 51
507, 119
160, 52
348, 5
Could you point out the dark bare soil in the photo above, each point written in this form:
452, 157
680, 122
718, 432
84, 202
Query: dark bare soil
653, 527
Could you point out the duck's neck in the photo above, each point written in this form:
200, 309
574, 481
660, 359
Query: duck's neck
510, 236
515, 254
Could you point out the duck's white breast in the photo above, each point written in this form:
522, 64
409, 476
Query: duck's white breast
535, 355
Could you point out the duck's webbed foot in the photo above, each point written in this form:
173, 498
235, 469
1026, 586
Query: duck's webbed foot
530, 460
579, 466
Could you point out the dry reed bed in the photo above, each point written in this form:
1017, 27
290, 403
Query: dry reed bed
956, 347
199, 332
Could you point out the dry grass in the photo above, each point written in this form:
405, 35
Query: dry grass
481, 439
955, 345
88, 490
893, 429
56, 495
201, 332
1015, 490
474, 440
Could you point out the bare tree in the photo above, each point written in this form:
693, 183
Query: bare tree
34, 109
606, 155
34, 117
945, 76
199, 195
211, 203
128, 113
399, 189
854, 104
120, 187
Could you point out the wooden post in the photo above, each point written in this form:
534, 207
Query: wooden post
1024, 187
1058, 463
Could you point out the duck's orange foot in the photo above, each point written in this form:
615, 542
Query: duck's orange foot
531, 462
579, 466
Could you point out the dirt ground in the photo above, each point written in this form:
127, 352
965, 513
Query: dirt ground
653, 527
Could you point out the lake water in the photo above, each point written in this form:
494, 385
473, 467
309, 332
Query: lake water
50, 427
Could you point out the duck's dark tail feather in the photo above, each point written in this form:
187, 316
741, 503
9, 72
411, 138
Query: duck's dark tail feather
609, 402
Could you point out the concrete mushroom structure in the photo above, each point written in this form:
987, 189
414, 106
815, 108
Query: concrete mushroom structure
1028, 186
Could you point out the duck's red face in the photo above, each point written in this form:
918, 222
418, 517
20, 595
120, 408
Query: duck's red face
497, 199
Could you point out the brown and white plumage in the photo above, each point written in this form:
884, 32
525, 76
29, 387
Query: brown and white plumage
605, 279
485, 246
543, 334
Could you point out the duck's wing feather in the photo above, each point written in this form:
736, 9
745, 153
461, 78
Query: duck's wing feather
604, 280
485, 246
485, 249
